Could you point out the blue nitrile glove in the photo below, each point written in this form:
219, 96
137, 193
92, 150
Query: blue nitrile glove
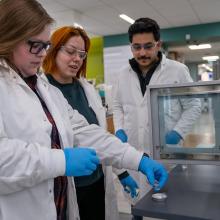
80, 161
155, 172
130, 186
121, 135
173, 137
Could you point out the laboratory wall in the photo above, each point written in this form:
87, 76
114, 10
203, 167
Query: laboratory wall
95, 67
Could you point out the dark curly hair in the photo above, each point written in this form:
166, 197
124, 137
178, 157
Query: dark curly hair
144, 25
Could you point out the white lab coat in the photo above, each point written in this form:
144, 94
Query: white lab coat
130, 107
94, 100
28, 165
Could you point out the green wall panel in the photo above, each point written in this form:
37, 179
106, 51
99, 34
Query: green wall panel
170, 36
200, 33
95, 66
116, 40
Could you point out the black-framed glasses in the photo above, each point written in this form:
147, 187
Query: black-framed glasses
146, 46
72, 51
37, 46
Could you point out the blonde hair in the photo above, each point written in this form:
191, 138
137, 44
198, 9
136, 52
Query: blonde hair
20, 20
58, 39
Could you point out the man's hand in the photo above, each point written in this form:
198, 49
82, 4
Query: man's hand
121, 135
173, 137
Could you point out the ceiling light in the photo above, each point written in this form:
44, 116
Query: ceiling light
200, 46
210, 58
126, 18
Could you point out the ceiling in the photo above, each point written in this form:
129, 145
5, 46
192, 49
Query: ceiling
100, 17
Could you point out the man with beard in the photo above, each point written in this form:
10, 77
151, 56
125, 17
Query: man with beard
148, 67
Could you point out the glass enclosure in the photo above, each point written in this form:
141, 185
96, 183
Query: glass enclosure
186, 122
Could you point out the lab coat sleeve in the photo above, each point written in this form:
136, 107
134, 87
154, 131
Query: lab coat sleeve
118, 171
24, 165
191, 111
118, 113
110, 149
191, 108
100, 111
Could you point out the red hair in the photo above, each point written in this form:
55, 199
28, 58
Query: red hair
58, 39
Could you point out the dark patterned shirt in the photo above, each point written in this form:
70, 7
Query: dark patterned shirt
60, 183
76, 97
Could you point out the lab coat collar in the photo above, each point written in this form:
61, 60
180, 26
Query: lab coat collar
10, 73
135, 66
15, 77
163, 60
158, 71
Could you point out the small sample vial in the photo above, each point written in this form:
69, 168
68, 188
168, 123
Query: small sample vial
130, 199
156, 187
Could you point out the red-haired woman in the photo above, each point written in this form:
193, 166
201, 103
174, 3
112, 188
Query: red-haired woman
65, 65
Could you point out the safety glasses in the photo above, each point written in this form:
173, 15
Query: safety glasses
37, 46
147, 46
72, 51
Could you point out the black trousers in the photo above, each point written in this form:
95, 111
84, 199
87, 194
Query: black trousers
91, 201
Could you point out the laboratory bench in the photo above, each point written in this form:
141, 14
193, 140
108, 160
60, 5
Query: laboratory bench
193, 193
